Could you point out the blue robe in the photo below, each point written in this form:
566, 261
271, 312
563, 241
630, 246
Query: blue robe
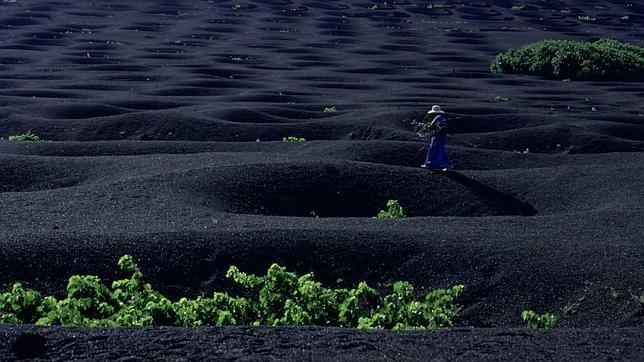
436, 151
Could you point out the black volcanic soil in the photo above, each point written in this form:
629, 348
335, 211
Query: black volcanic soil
167, 118
321, 344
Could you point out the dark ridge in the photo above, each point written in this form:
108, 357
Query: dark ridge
21, 174
332, 344
348, 190
81, 111
28, 346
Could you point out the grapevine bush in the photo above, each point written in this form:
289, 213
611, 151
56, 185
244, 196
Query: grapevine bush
536, 320
605, 59
280, 297
293, 139
28, 136
393, 211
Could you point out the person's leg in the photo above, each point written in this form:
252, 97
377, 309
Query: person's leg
434, 152
441, 160
430, 150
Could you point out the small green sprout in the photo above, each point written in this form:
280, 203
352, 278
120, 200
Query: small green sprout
437, 5
293, 139
638, 298
25, 137
534, 320
586, 18
393, 211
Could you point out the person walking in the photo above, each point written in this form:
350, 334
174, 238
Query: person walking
435, 125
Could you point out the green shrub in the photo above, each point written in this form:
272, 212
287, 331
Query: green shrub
20, 305
293, 139
605, 59
280, 298
638, 298
401, 311
437, 6
393, 211
587, 18
534, 320
25, 137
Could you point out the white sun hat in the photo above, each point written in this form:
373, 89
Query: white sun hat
436, 109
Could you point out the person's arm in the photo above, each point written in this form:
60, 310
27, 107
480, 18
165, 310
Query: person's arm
437, 123
429, 124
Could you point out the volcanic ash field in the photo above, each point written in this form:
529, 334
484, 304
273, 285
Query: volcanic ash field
166, 121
